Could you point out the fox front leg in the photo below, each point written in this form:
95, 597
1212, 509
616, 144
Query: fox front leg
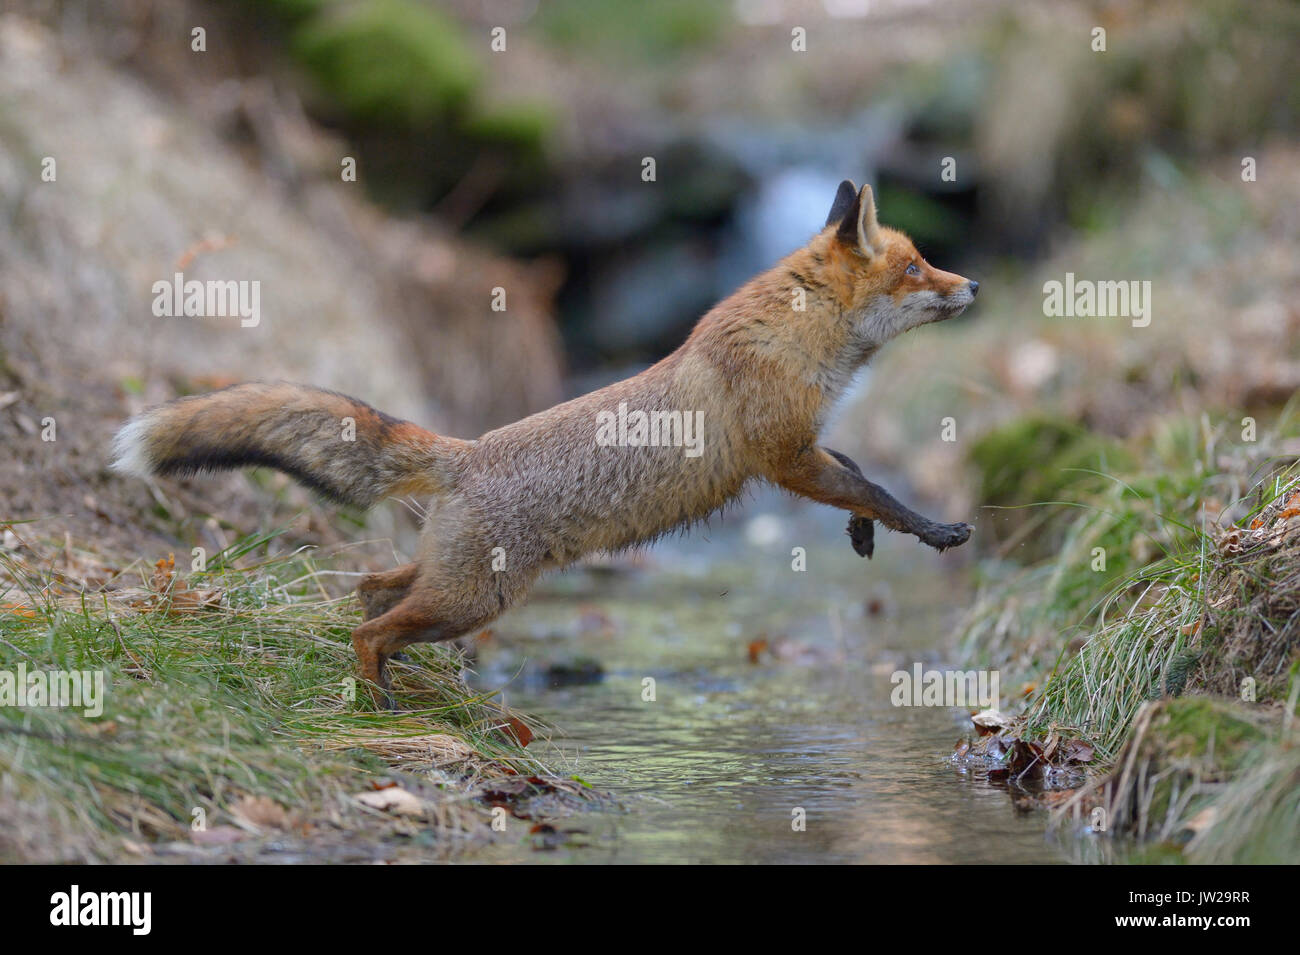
821, 475
861, 530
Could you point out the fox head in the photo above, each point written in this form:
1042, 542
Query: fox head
884, 285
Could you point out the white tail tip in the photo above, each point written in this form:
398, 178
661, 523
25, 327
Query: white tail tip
129, 449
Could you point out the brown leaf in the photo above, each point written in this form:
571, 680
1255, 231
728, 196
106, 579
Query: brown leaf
260, 812
1077, 751
172, 595
1050, 746
516, 728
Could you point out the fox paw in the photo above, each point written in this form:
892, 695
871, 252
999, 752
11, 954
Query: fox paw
943, 536
862, 534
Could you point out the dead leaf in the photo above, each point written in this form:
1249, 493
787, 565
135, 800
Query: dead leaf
394, 800
510, 790
990, 721
260, 812
173, 595
515, 728
1077, 751
1025, 759
1050, 746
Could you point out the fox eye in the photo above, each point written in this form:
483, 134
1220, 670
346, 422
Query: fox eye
913, 269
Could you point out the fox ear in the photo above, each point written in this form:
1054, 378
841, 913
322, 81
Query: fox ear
844, 200
859, 227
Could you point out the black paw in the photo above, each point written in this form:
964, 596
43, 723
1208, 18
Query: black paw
862, 534
943, 536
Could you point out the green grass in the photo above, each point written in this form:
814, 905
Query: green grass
1111, 522
203, 708
1145, 640
1146, 657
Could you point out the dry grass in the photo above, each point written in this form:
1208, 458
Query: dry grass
234, 709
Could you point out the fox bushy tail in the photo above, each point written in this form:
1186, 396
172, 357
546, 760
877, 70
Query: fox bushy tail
338, 446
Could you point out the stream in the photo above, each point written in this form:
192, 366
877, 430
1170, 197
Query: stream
716, 766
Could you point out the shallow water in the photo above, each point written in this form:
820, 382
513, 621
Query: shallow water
714, 768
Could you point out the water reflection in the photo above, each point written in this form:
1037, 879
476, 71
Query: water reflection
714, 769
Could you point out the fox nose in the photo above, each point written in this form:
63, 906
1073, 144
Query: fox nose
974, 287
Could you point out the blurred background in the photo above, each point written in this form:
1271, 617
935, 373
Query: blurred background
502, 143
500, 149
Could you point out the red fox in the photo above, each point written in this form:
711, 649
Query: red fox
743, 399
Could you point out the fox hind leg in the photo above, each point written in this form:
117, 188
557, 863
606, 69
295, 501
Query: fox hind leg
380, 638
417, 618
380, 593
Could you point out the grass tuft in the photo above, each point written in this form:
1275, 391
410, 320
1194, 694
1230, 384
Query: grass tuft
1183, 674
243, 693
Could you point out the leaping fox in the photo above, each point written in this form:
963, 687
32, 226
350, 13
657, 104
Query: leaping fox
759, 373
